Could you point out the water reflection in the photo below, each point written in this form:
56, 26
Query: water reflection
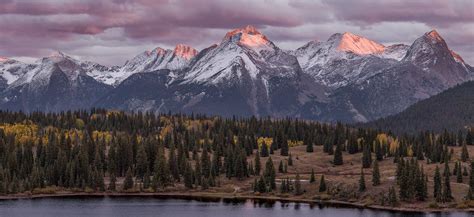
159, 206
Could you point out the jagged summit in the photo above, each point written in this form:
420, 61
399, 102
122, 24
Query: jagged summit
433, 34
356, 44
249, 29
185, 51
249, 37
425, 48
3, 59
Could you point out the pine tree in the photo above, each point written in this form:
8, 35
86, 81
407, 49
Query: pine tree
298, 189
470, 195
446, 193
161, 176
128, 183
459, 173
375, 174
280, 167
112, 184
290, 160
437, 185
309, 146
362, 181
261, 186
378, 151
142, 161
338, 155
366, 157
284, 147
464, 153
312, 179
392, 197
188, 176
269, 174
322, 184
258, 164
146, 179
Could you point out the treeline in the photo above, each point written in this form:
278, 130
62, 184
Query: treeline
101, 150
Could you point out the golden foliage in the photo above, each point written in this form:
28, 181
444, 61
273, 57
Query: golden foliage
267, 141
394, 144
292, 143
23, 132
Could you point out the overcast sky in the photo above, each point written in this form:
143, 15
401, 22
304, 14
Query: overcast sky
112, 31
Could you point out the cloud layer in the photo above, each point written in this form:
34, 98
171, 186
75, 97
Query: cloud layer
111, 31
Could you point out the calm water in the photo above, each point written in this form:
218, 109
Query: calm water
140, 207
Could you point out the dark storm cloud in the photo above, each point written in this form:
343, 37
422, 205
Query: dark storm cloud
106, 28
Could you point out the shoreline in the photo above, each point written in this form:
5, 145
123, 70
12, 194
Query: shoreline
216, 197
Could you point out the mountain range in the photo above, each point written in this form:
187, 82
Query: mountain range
347, 78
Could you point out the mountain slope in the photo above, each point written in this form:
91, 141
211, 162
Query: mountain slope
148, 61
344, 58
246, 74
427, 69
451, 109
11, 70
55, 83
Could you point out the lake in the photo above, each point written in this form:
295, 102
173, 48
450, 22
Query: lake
150, 206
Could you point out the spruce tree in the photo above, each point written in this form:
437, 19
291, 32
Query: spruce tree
261, 186
188, 176
464, 153
128, 183
258, 164
284, 147
322, 184
338, 155
437, 193
269, 174
446, 193
312, 179
146, 179
309, 146
280, 167
161, 176
298, 189
375, 174
362, 181
459, 173
392, 197
142, 161
112, 184
366, 157
290, 160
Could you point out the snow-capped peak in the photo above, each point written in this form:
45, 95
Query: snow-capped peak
3, 59
359, 45
249, 37
185, 51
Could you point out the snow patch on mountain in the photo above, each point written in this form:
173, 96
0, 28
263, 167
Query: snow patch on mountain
396, 52
148, 61
11, 70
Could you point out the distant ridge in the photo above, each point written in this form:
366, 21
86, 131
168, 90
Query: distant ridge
452, 109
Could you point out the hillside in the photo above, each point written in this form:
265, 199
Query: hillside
452, 109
